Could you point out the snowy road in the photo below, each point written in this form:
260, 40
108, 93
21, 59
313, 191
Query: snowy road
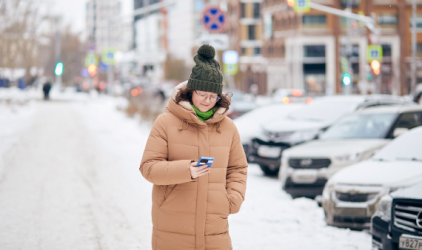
71, 181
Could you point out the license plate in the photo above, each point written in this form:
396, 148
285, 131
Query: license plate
305, 176
410, 242
266, 151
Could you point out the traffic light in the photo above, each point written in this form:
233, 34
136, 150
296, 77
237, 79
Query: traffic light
376, 66
92, 69
58, 69
291, 3
347, 79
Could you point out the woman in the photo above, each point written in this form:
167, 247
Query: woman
191, 204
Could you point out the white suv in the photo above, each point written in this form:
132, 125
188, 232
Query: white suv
356, 137
351, 196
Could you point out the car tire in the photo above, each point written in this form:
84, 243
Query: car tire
269, 171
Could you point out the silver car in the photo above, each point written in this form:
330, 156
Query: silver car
351, 196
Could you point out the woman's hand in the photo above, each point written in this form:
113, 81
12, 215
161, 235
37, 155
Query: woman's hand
196, 172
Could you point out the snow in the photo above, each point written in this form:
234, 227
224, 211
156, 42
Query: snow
16, 110
381, 173
71, 181
405, 147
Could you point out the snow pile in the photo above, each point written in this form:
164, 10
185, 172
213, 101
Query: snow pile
271, 219
16, 112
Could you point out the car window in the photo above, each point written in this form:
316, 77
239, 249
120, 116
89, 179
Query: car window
409, 120
358, 126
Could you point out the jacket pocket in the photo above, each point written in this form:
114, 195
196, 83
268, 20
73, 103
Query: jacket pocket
168, 190
228, 201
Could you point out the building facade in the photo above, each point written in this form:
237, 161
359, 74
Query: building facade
101, 32
166, 37
304, 50
245, 31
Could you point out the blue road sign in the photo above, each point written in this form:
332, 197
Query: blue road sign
103, 67
213, 19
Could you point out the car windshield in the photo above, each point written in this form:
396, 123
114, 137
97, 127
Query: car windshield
407, 147
358, 126
324, 111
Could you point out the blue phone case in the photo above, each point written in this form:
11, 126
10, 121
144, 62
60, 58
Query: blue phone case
205, 160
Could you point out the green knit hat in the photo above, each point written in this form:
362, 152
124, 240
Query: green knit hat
206, 74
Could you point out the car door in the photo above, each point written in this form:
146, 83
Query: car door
405, 121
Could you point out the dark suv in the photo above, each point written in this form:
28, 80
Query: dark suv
397, 224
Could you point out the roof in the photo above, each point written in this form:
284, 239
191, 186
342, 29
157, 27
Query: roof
391, 109
358, 98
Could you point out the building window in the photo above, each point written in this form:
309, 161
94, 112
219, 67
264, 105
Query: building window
251, 32
256, 10
387, 20
386, 50
419, 49
418, 22
354, 52
138, 4
243, 10
353, 3
243, 51
257, 51
314, 51
314, 20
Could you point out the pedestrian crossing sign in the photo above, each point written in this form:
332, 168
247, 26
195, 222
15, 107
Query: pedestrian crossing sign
302, 6
109, 56
230, 69
91, 59
374, 52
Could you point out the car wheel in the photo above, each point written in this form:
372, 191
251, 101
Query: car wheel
268, 171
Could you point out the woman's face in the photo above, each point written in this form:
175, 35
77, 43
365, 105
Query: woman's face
204, 101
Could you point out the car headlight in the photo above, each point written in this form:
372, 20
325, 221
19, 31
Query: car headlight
348, 157
384, 207
302, 136
327, 190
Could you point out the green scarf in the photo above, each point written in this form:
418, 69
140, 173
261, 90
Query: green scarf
203, 116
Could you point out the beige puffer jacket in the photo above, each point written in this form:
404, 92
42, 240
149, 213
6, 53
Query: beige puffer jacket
192, 214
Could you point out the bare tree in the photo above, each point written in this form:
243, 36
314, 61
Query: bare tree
20, 25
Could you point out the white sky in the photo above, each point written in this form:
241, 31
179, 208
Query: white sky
73, 11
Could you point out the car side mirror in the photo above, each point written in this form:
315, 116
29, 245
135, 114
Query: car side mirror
399, 131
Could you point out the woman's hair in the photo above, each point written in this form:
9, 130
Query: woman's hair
185, 94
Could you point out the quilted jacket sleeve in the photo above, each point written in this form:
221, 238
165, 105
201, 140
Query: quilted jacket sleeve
236, 173
154, 166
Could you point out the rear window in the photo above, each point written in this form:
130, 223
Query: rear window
361, 126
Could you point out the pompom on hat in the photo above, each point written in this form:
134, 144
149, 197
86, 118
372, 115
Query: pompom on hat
206, 74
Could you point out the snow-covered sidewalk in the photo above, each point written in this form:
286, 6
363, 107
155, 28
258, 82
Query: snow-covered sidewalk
71, 181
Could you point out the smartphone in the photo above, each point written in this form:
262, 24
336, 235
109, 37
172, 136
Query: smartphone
205, 160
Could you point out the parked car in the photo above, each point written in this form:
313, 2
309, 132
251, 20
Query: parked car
305, 125
356, 137
250, 123
351, 196
240, 104
397, 223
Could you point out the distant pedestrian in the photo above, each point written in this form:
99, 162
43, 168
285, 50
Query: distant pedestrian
46, 89
190, 204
